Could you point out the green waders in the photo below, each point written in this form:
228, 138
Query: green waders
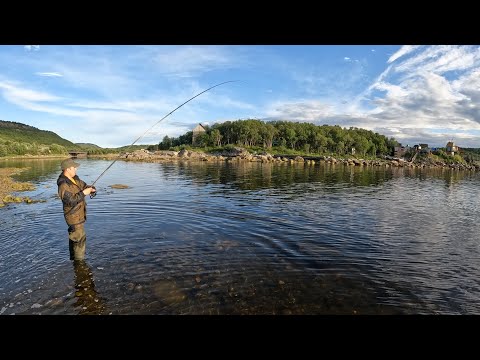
77, 241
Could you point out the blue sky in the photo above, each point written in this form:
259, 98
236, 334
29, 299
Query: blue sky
110, 95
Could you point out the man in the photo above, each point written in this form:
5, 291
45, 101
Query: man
72, 191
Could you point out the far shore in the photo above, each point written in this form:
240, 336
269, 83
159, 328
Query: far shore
16, 157
240, 154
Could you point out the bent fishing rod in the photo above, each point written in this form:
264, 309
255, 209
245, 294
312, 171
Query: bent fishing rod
92, 195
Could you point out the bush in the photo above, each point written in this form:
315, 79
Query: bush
229, 147
58, 149
3, 150
180, 148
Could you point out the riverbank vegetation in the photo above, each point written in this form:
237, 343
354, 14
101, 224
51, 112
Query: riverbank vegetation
304, 139
278, 138
286, 137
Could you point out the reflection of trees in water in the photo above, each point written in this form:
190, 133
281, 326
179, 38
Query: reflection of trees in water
245, 175
450, 176
37, 168
87, 300
253, 175
453, 177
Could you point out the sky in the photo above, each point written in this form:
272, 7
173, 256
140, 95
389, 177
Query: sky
111, 95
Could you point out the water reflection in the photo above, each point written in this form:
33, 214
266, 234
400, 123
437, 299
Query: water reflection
36, 169
254, 175
450, 176
453, 177
88, 302
77, 248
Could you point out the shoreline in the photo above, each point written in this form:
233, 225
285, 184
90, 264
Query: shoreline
8, 186
243, 155
33, 157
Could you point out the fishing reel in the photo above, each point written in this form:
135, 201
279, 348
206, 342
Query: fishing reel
92, 194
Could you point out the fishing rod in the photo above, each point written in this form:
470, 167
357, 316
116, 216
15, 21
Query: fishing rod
92, 195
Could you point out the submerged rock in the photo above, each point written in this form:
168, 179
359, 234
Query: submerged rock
119, 186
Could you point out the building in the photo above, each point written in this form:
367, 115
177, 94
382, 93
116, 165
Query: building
198, 130
399, 151
451, 148
424, 149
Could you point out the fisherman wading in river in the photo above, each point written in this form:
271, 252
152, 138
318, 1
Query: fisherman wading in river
72, 191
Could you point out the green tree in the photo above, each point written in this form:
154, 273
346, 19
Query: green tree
166, 143
216, 137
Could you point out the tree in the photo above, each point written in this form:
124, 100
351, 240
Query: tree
202, 140
166, 143
291, 137
362, 145
267, 133
215, 137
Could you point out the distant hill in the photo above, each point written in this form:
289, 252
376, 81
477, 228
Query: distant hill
88, 146
20, 139
21, 133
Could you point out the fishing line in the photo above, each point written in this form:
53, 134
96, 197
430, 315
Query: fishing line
171, 112
92, 195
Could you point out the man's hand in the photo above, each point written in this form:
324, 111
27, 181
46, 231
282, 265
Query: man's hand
89, 189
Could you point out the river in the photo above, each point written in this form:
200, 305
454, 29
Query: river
246, 238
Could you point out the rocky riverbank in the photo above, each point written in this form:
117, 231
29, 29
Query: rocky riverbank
240, 154
9, 186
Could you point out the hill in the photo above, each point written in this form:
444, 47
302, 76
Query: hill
21, 133
20, 139
87, 146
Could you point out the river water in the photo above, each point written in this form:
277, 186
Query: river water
246, 238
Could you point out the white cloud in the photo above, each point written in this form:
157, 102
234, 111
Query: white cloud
48, 74
392, 90
404, 50
227, 102
32, 47
308, 110
440, 59
189, 60
346, 58
15, 93
356, 104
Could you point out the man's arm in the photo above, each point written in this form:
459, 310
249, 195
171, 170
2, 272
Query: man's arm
70, 199
87, 189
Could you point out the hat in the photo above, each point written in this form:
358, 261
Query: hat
69, 163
